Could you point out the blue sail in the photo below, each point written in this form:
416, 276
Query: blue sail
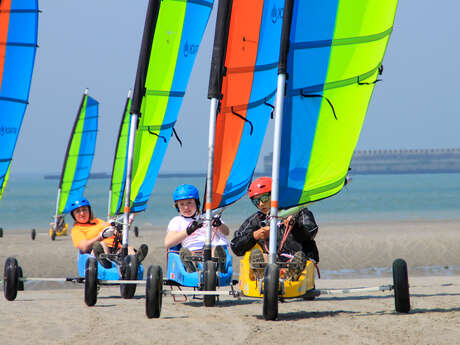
18, 43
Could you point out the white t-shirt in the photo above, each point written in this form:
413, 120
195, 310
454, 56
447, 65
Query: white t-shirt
196, 240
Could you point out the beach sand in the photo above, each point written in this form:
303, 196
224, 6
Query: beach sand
359, 254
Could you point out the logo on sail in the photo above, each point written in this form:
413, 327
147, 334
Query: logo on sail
190, 49
277, 13
7, 130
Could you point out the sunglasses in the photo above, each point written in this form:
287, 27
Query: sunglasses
263, 198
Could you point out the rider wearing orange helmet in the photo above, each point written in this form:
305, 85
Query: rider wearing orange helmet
298, 243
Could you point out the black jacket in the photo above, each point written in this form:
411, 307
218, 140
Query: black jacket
301, 236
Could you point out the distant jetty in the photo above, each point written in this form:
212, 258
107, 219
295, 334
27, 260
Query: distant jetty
399, 161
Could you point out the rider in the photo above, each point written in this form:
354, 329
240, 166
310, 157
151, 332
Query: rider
189, 230
90, 234
295, 245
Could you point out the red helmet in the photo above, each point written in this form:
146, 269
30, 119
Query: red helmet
260, 186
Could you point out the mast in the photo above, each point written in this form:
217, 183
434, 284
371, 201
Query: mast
109, 206
139, 92
214, 94
56, 215
279, 105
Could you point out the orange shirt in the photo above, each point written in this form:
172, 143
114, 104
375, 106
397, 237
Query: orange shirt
90, 230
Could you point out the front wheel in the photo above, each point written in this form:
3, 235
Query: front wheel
209, 280
154, 292
401, 286
271, 283
91, 282
129, 272
33, 234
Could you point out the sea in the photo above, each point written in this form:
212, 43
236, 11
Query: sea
29, 200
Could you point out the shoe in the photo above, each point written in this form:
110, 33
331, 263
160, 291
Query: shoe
97, 251
221, 256
296, 266
142, 253
186, 257
256, 260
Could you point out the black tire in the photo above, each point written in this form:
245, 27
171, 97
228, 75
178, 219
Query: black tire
91, 282
401, 286
53, 235
136, 231
271, 283
209, 283
309, 295
20, 282
154, 292
33, 234
1, 232
129, 273
11, 279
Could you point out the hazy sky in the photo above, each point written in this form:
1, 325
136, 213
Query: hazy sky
95, 44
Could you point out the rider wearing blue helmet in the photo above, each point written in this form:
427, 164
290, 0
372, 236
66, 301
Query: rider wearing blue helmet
90, 234
189, 230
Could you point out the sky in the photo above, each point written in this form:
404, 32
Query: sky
95, 45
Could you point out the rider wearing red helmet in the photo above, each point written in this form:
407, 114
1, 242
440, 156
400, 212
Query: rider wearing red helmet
299, 243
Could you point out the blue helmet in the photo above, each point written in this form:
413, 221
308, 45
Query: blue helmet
79, 203
186, 191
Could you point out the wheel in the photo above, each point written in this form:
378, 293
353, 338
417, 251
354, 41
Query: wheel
1, 232
53, 235
209, 283
271, 283
136, 231
33, 234
154, 292
309, 295
401, 286
20, 282
91, 282
129, 272
11, 279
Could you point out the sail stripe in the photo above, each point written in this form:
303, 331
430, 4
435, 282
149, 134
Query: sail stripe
18, 37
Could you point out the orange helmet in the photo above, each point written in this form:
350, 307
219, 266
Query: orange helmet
260, 186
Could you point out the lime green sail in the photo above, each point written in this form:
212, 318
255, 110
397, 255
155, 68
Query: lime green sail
117, 185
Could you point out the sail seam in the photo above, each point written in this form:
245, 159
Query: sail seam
16, 44
16, 100
197, 2
247, 69
249, 105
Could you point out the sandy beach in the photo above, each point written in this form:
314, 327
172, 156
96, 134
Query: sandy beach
351, 255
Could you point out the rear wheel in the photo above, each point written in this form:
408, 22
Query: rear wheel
129, 272
136, 231
11, 279
1, 232
209, 280
91, 282
33, 234
154, 292
53, 234
401, 286
271, 283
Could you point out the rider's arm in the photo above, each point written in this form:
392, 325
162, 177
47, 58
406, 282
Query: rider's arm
174, 237
223, 229
243, 239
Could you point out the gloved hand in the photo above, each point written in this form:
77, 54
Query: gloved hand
193, 226
216, 222
107, 232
